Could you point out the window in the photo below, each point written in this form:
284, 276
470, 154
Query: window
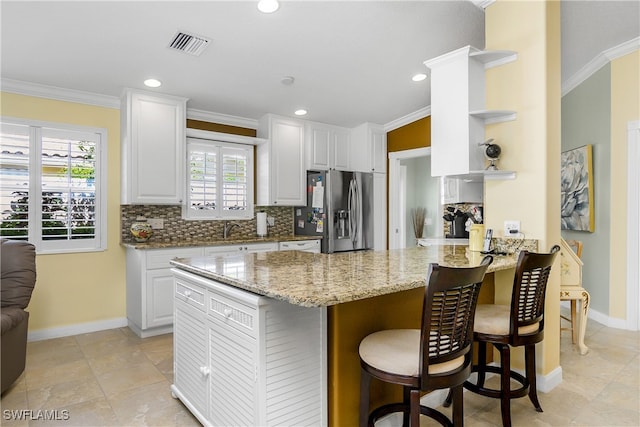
61, 166
219, 180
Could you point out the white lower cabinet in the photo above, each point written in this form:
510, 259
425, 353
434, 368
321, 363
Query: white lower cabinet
245, 359
150, 289
150, 282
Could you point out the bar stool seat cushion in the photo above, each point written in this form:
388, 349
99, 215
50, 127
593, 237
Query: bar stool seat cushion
397, 351
493, 319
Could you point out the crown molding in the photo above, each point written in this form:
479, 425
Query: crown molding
58, 93
223, 119
598, 62
483, 4
409, 118
90, 98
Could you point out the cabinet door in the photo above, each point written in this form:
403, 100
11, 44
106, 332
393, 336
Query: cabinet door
234, 372
153, 149
159, 297
191, 357
379, 150
368, 148
288, 171
318, 147
380, 209
341, 142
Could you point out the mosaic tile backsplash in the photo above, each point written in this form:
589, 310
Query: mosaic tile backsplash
177, 229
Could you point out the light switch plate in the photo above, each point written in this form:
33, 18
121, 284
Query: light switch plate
156, 223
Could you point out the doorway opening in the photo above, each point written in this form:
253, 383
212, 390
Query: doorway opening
411, 187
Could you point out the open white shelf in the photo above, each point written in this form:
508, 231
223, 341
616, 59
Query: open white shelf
493, 58
494, 116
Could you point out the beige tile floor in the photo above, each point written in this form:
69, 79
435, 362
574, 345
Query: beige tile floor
113, 378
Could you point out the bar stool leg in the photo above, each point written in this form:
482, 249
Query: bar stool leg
415, 408
482, 362
365, 382
530, 366
505, 384
457, 412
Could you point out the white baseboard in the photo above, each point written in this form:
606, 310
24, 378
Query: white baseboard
79, 328
608, 321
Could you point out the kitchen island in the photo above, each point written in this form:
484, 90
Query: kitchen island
346, 296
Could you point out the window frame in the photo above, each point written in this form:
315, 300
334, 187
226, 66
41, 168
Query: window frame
219, 146
35, 229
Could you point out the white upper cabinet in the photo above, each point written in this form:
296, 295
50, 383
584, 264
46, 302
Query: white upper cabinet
280, 162
458, 114
153, 148
369, 148
328, 147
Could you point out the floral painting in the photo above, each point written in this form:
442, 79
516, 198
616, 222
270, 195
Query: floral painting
577, 189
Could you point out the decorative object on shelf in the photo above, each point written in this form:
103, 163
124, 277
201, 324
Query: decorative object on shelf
141, 231
418, 215
576, 189
492, 153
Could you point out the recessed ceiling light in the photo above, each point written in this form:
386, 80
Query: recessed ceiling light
268, 6
152, 83
419, 77
300, 112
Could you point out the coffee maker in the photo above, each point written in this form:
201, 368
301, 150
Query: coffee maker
457, 223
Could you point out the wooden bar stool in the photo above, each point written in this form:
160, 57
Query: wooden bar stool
437, 356
520, 324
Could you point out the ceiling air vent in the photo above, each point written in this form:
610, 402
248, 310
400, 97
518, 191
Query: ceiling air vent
189, 43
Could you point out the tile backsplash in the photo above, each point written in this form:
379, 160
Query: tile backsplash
177, 229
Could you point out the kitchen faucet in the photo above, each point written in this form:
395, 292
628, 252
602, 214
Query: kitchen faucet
228, 226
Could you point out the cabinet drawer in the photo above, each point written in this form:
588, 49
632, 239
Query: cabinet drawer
233, 313
190, 293
159, 258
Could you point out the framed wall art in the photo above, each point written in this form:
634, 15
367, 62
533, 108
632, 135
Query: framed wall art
576, 192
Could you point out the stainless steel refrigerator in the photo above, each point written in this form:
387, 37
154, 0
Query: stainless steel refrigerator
339, 208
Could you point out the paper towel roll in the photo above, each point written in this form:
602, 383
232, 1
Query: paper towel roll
261, 224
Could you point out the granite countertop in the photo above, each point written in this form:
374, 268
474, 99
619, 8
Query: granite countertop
219, 242
316, 280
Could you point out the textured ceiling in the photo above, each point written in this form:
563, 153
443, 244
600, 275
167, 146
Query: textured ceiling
352, 61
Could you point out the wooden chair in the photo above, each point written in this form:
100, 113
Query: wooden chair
437, 356
518, 324
571, 290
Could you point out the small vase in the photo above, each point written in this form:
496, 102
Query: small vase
141, 231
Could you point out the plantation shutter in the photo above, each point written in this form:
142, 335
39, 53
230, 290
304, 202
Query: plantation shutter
51, 185
203, 178
220, 180
14, 181
68, 164
234, 170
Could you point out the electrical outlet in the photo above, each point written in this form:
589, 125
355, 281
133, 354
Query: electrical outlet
271, 221
156, 223
511, 228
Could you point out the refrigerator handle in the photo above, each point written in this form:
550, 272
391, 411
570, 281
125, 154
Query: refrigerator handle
353, 211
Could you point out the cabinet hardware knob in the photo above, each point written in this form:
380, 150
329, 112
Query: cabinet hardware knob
187, 294
227, 312
204, 370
